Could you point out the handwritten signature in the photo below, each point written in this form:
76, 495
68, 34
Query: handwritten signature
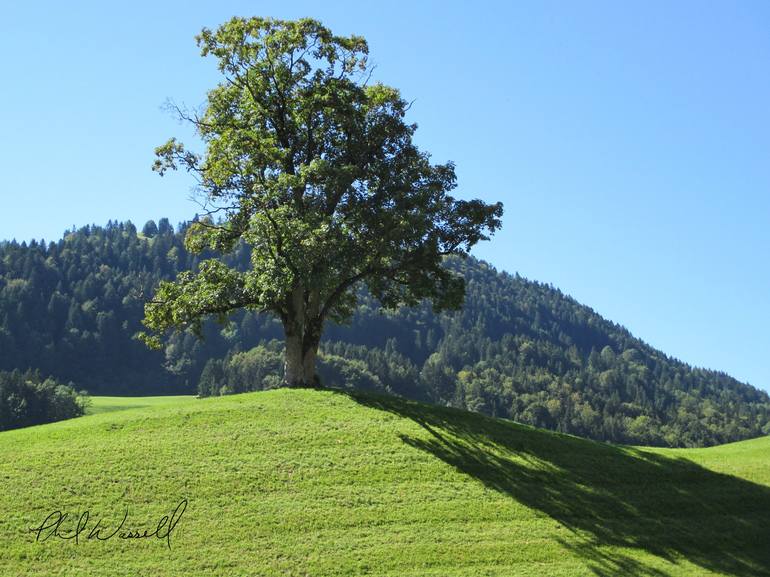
52, 526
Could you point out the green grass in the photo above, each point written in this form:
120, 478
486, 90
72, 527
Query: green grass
319, 483
109, 404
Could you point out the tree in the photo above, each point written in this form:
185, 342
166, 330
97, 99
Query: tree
164, 227
150, 229
315, 169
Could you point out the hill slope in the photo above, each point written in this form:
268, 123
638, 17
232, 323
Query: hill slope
517, 349
321, 483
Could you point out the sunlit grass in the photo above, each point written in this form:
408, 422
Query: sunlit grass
109, 404
299, 482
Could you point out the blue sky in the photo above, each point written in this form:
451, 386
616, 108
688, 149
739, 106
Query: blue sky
629, 141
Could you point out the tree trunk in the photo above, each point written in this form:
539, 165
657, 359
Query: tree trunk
302, 328
294, 368
308, 365
310, 352
299, 364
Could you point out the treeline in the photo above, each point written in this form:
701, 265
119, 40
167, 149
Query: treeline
71, 308
517, 349
27, 399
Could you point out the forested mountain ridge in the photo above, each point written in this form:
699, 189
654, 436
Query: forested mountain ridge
517, 349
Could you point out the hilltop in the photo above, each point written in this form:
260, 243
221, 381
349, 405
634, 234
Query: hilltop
299, 482
518, 349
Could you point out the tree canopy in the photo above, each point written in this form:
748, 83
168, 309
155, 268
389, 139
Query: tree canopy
314, 167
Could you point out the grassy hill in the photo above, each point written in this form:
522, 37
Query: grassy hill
319, 483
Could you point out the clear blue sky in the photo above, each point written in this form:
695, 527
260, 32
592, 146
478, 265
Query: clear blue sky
629, 141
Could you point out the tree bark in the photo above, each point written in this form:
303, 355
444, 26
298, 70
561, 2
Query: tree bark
308, 366
294, 368
302, 328
310, 352
300, 361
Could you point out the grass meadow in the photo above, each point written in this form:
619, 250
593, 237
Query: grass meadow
326, 483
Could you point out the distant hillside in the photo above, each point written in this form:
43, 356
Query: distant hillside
294, 483
517, 349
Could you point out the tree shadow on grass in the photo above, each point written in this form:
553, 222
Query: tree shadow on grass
609, 497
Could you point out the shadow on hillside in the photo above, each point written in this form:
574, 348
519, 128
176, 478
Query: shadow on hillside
605, 495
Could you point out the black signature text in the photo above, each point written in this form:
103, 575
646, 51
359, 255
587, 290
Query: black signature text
59, 524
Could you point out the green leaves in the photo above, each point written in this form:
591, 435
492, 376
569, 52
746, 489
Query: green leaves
314, 167
172, 155
242, 44
214, 289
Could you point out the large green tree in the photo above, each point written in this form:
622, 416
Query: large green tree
314, 167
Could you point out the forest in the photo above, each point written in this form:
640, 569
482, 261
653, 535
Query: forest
26, 399
519, 349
